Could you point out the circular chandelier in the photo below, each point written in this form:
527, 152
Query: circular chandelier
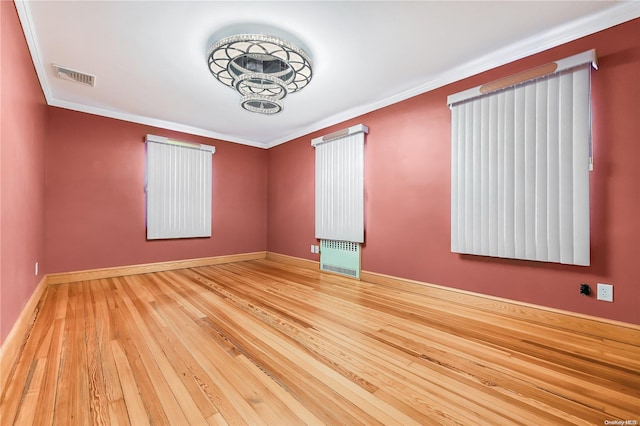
263, 69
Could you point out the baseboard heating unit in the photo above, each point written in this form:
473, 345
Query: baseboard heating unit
342, 257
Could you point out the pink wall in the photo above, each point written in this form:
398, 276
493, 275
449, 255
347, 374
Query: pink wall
23, 112
94, 197
407, 180
95, 200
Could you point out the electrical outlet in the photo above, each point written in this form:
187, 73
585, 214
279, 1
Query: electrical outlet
605, 292
313, 248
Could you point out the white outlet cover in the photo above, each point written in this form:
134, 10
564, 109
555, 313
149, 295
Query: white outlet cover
605, 292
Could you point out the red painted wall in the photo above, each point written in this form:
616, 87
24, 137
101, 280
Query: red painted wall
95, 199
407, 200
23, 122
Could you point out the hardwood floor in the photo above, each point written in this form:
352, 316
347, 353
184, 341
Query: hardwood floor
263, 343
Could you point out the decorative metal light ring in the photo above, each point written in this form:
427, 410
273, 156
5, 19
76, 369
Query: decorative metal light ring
287, 75
222, 53
266, 104
273, 87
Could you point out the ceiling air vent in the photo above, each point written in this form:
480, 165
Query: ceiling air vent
73, 75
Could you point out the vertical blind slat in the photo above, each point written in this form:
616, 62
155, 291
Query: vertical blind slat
566, 168
553, 161
492, 198
581, 132
509, 175
485, 153
454, 180
468, 178
519, 165
500, 184
530, 172
476, 176
541, 172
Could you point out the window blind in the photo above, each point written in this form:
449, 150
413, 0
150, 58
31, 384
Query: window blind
178, 189
340, 185
520, 159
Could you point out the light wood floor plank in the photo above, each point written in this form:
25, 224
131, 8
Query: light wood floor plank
46, 400
259, 342
135, 406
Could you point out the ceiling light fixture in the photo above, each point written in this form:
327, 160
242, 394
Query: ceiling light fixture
263, 69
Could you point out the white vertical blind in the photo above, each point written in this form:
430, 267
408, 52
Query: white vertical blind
340, 187
178, 188
520, 170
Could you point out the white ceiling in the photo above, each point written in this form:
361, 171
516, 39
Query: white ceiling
149, 57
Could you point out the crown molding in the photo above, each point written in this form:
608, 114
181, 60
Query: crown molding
556, 36
148, 121
29, 33
540, 42
26, 21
